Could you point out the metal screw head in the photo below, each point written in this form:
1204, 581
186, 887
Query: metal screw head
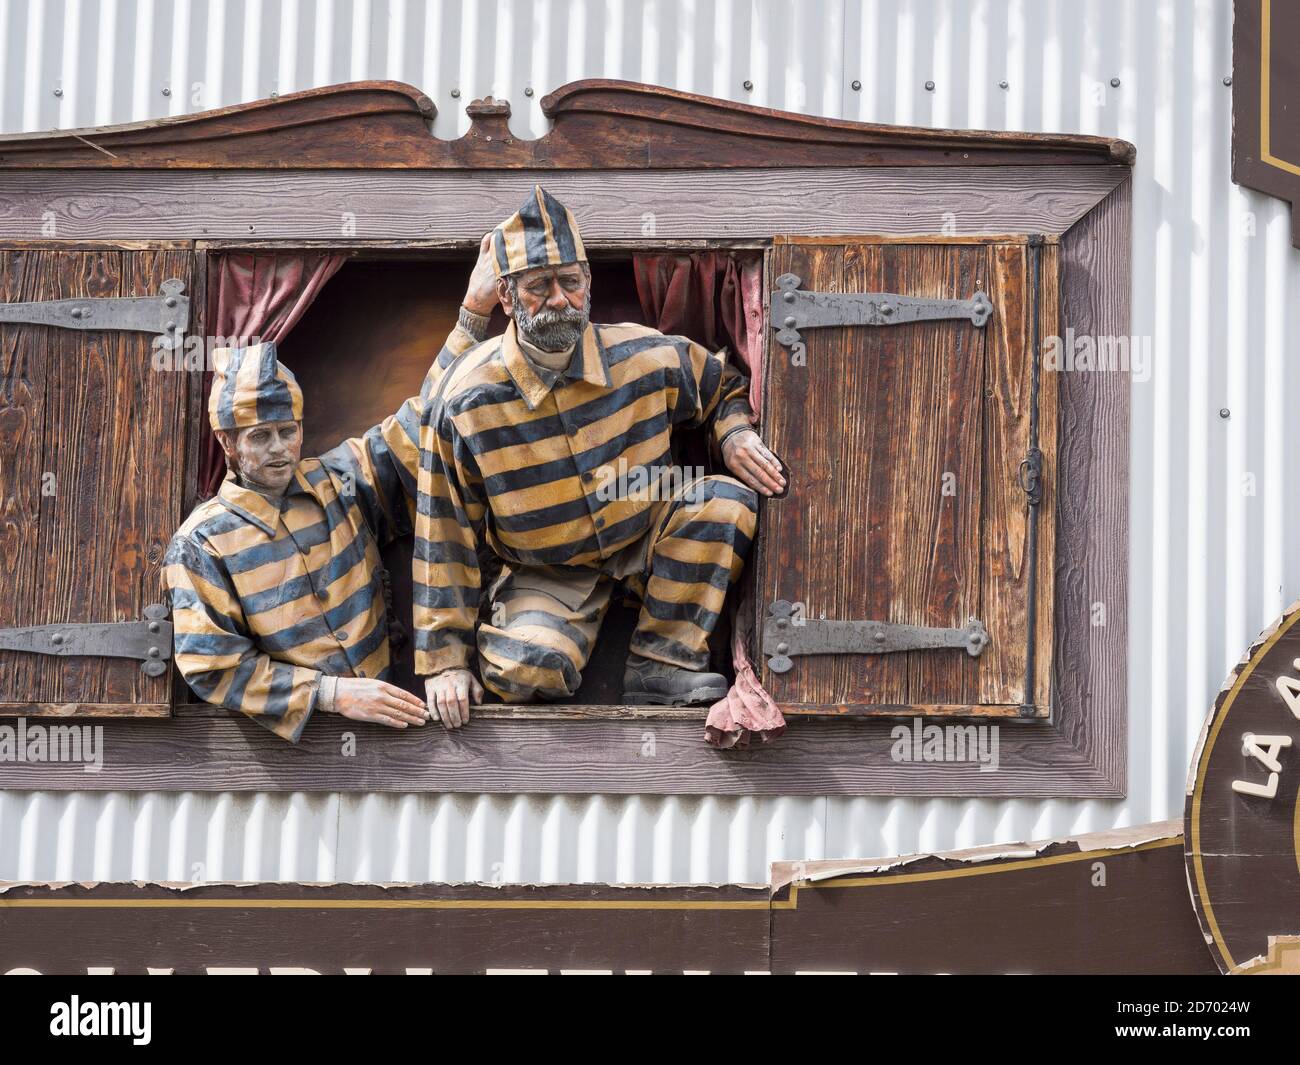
170, 301
166, 91
886, 309
154, 652
782, 648
57, 638
856, 86
1114, 83
1224, 412
528, 91
788, 297
791, 322
275, 93
58, 92
929, 86
879, 637
1004, 84
749, 85
455, 94
154, 626
1227, 79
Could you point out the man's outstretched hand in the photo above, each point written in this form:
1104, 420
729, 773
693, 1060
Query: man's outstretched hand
748, 458
481, 295
450, 695
367, 699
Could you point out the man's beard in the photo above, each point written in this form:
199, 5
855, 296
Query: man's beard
553, 330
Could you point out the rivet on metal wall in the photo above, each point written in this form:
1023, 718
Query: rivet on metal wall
455, 94
58, 92
166, 91
929, 86
528, 91
1004, 84
749, 86
1224, 412
1227, 79
856, 86
1114, 83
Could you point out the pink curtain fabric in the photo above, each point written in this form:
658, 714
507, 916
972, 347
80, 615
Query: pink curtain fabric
256, 294
716, 299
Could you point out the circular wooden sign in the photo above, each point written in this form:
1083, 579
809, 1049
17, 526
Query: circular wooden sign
1242, 821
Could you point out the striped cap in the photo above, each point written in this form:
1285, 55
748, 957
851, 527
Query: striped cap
543, 232
249, 385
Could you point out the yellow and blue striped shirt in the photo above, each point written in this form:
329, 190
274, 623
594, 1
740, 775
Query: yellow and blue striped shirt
514, 458
270, 593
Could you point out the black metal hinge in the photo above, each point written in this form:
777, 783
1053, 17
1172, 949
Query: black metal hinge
786, 636
794, 309
166, 314
149, 640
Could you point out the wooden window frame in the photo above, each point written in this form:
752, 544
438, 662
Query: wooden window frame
693, 163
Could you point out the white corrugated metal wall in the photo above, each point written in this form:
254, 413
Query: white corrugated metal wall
1215, 279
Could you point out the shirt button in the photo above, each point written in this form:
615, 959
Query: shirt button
600, 523
361, 672
322, 593
588, 476
340, 636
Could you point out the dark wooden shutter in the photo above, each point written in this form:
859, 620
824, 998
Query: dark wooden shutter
869, 427
91, 473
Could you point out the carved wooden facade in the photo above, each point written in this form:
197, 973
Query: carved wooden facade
910, 502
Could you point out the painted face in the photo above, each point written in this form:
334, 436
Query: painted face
266, 454
550, 305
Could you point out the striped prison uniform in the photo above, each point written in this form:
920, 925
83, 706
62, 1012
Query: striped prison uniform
514, 457
269, 594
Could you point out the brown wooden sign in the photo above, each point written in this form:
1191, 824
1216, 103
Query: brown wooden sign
1265, 88
1242, 817
1107, 903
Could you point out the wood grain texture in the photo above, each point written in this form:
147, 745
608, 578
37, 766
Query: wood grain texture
407, 205
1090, 695
595, 123
209, 749
92, 481
899, 509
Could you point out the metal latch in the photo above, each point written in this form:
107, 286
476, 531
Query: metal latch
149, 640
167, 314
785, 636
793, 309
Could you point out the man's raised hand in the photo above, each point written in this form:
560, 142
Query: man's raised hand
481, 294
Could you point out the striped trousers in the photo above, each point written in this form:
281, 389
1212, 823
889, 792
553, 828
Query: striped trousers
544, 620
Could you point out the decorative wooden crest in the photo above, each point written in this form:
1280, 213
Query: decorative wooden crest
596, 125
1265, 86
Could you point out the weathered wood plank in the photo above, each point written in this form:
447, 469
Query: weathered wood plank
210, 749
406, 205
110, 440
1091, 676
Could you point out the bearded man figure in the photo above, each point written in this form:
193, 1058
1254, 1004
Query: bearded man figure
518, 453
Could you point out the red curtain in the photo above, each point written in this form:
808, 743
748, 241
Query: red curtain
716, 299
256, 295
